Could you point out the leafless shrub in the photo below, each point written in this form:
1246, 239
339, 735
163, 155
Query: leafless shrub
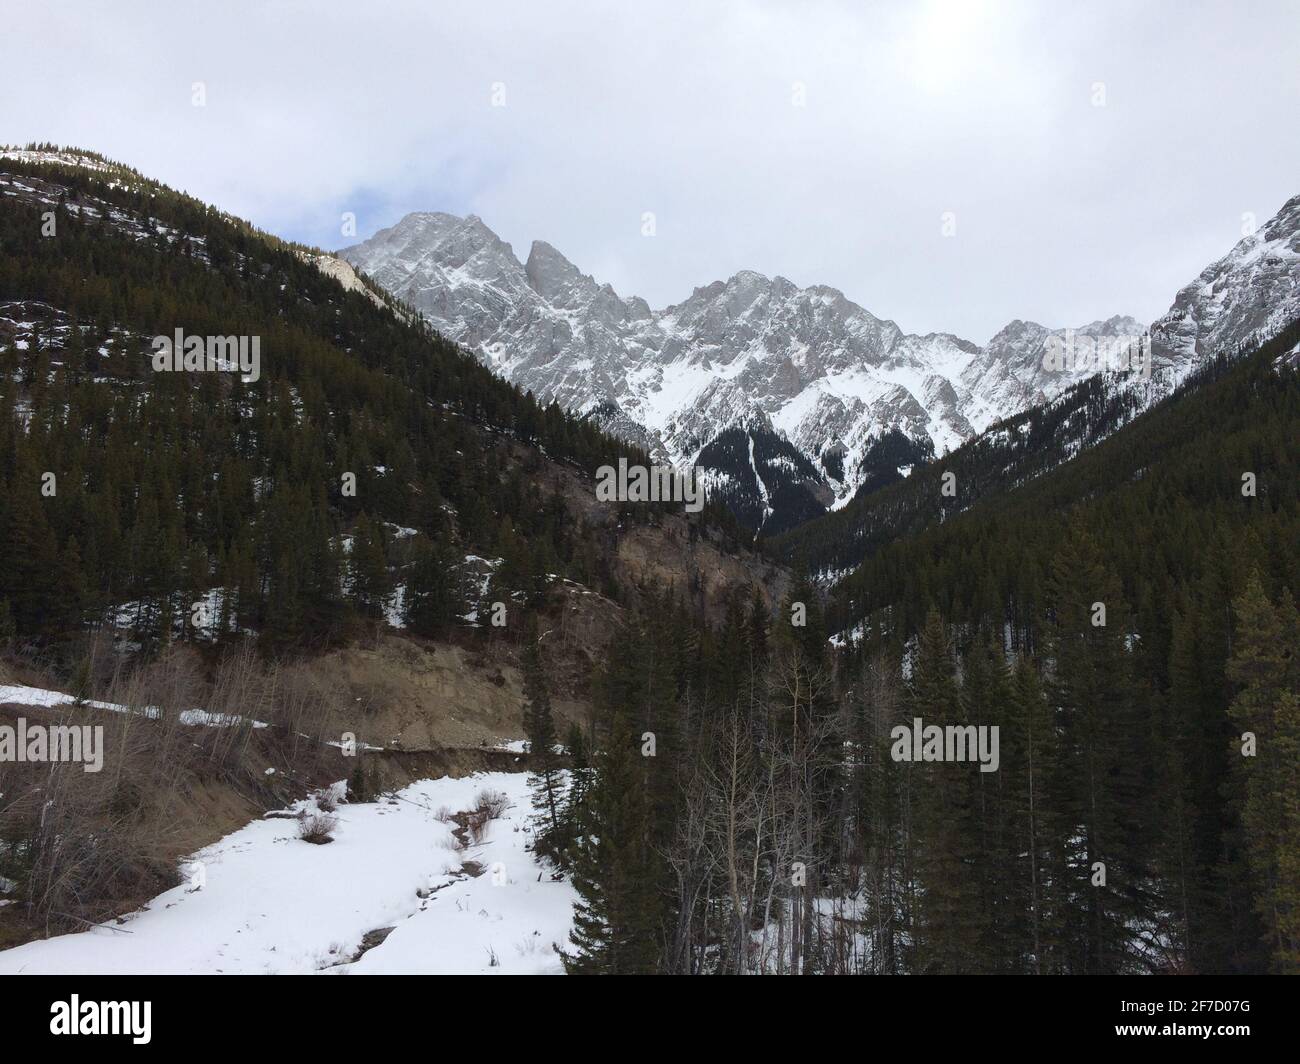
476, 824
84, 846
308, 713
327, 798
317, 828
488, 806
81, 844
491, 803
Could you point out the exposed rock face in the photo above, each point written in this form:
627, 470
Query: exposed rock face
1248, 294
763, 354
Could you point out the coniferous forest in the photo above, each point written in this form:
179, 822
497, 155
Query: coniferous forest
1128, 623
732, 799
1143, 815
742, 489
168, 485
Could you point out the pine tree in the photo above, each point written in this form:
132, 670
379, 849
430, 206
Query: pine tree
371, 583
433, 598
1029, 757
575, 743
621, 916
1097, 785
605, 936
951, 920
28, 577
1267, 710
67, 610
986, 698
545, 780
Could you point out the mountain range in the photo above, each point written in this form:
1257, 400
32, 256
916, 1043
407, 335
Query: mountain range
785, 397
312, 556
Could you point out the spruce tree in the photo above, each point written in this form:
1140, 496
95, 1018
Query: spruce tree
545, 780
433, 598
621, 916
371, 583
951, 919
1029, 759
1103, 757
1266, 709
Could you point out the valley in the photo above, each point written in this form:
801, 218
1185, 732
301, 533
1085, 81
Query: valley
491, 622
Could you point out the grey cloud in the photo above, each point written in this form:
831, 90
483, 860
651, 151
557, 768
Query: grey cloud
1065, 211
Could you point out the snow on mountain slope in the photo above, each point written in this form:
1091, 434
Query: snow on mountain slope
1249, 294
272, 903
804, 363
62, 157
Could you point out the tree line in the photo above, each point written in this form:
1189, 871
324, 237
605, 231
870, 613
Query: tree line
127, 496
1127, 622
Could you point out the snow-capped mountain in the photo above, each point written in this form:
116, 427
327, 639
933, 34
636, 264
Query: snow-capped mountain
775, 360
1250, 293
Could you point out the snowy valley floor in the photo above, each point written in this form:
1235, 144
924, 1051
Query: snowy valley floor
272, 903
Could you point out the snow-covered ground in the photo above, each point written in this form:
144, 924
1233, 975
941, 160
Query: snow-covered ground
272, 903
20, 695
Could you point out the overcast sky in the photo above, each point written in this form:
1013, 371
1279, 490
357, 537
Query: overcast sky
1095, 156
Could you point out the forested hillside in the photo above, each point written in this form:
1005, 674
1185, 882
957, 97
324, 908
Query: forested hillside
288, 495
1010, 453
346, 543
1126, 622
1207, 478
761, 478
1101, 590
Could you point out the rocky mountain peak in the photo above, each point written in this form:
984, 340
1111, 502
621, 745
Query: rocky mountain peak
554, 277
1248, 294
808, 364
